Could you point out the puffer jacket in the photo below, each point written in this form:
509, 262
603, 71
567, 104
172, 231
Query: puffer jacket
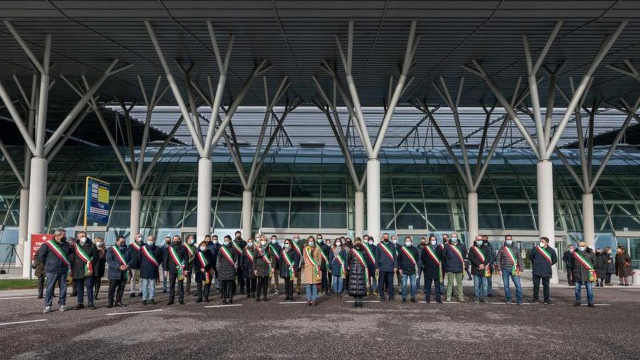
295, 260
357, 273
260, 264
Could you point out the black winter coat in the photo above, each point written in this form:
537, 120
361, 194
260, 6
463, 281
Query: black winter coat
452, 262
601, 265
357, 274
77, 264
431, 267
99, 269
476, 260
295, 259
52, 263
580, 273
147, 269
404, 262
540, 265
168, 264
227, 270
247, 264
197, 265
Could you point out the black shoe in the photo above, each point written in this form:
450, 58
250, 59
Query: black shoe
92, 307
170, 302
164, 291
265, 300
413, 300
132, 295
181, 302
428, 301
258, 299
231, 301
591, 305
576, 304
224, 302
248, 295
79, 306
40, 297
404, 300
199, 300
109, 306
535, 301
74, 294
153, 302
548, 302
120, 304
439, 301
144, 302
490, 295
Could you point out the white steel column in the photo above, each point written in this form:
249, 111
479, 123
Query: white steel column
373, 198
588, 222
136, 206
472, 199
37, 202
546, 223
23, 223
247, 212
359, 213
204, 198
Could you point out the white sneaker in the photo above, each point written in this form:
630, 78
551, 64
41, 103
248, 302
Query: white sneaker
63, 308
47, 309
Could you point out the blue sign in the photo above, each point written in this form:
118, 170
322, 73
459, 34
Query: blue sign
97, 202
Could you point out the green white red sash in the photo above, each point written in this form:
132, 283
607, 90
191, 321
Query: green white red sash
369, 253
296, 247
513, 258
227, 254
435, 258
409, 254
324, 256
290, 265
55, 248
190, 251
88, 266
316, 267
149, 255
341, 261
121, 260
266, 259
180, 266
387, 251
478, 251
249, 254
360, 258
135, 245
236, 247
202, 259
458, 253
584, 262
545, 253
274, 251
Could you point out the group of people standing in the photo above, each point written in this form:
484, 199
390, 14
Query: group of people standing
359, 267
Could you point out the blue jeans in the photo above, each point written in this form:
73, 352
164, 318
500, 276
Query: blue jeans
80, 284
148, 288
589, 287
412, 280
506, 275
312, 292
419, 277
52, 278
427, 288
336, 285
165, 280
479, 287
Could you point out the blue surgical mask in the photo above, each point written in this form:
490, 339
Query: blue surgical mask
454, 240
310, 243
479, 242
582, 248
509, 242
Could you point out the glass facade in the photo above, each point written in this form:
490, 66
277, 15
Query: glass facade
310, 188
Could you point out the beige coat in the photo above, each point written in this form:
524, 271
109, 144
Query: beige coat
308, 271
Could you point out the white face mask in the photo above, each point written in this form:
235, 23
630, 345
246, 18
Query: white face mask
250, 244
150, 242
273, 241
191, 241
338, 243
310, 243
394, 241
433, 242
542, 244
263, 242
286, 246
99, 244
203, 248
215, 241
408, 244
83, 240
296, 239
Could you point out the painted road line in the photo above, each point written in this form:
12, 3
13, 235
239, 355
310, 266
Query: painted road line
220, 306
502, 303
22, 322
365, 301
292, 302
595, 305
435, 302
134, 312
18, 297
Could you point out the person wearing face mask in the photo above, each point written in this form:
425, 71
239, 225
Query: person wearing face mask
442, 246
238, 246
134, 270
149, 258
601, 267
246, 263
492, 261
623, 266
227, 269
394, 241
275, 264
297, 245
289, 262
421, 245
407, 263
98, 272
118, 274
347, 243
214, 246
85, 258
431, 257
175, 262
202, 266
386, 263
311, 270
368, 245
358, 272
191, 249
263, 267
542, 258
324, 266
582, 263
165, 277
479, 260
338, 266
566, 259
453, 258
55, 254
511, 266
329, 281
611, 268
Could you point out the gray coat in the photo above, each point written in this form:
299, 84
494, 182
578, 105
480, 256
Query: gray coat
621, 268
226, 270
260, 265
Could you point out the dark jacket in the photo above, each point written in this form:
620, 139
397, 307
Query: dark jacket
430, 266
324, 251
134, 255
246, 263
370, 257
190, 251
490, 251
260, 265
611, 266
39, 267
476, 260
566, 259
52, 263
383, 261
276, 249
114, 263
539, 263
227, 270
99, 269
241, 244
295, 259
601, 265
404, 262
580, 273
215, 249
147, 269
504, 260
622, 269
335, 263
357, 273
77, 265
198, 266
452, 262
168, 264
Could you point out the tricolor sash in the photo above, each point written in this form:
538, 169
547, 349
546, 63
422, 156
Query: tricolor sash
435, 258
180, 266
135, 245
341, 261
149, 255
202, 259
312, 261
190, 251
249, 254
236, 247
296, 247
53, 245
514, 260
360, 259
88, 266
587, 265
227, 254
324, 256
274, 251
121, 260
369, 253
387, 251
408, 254
458, 253
478, 251
545, 253
266, 259
292, 269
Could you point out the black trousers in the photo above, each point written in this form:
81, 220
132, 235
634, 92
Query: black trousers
324, 284
241, 282
385, 280
570, 278
607, 279
227, 288
263, 285
288, 287
203, 290
116, 289
427, 288
545, 286
188, 282
96, 287
172, 288
41, 285
250, 284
